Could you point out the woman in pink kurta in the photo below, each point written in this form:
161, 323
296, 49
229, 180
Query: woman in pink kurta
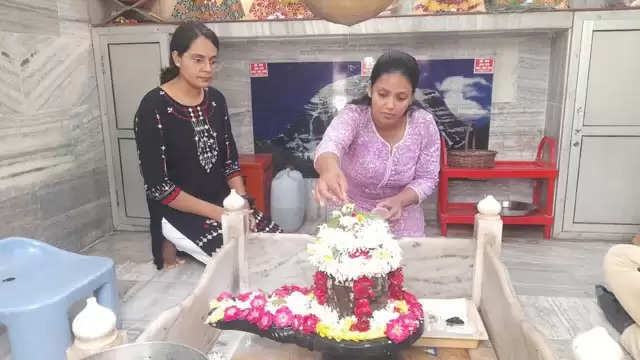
384, 150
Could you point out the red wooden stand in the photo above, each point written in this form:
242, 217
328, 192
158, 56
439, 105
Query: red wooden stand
257, 173
539, 169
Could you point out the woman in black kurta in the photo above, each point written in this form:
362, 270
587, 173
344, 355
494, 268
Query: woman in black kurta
188, 149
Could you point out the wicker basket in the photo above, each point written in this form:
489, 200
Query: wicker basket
471, 158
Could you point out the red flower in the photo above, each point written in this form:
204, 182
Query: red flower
410, 322
283, 317
320, 278
298, 322
282, 292
258, 301
362, 308
242, 314
265, 320
359, 253
362, 288
254, 315
244, 296
353, 214
361, 325
396, 331
415, 309
321, 298
410, 298
300, 289
320, 294
396, 292
396, 277
231, 313
309, 325
224, 295
320, 287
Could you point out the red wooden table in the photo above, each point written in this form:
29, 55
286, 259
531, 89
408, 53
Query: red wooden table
539, 169
257, 172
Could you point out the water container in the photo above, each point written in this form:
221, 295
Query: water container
288, 200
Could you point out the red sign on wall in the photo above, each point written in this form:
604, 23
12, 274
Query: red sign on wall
366, 66
483, 66
259, 70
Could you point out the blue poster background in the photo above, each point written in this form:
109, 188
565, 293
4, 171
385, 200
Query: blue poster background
294, 104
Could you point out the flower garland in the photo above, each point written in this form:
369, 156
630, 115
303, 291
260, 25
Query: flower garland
352, 248
297, 308
352, 245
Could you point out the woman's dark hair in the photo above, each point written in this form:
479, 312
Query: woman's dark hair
393, 61
181, 41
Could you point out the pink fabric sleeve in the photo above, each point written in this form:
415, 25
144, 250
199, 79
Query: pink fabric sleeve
338, 136
428, 165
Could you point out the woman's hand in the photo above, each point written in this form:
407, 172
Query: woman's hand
393, 205
331, 186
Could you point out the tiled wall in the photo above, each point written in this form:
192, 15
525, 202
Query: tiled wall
520, 80
53, 175
520, 100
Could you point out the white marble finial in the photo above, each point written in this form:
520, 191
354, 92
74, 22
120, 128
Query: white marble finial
95, 323
489, 206
234, 202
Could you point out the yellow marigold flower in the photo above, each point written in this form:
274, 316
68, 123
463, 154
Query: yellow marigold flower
322, 329
216, 316
402, 307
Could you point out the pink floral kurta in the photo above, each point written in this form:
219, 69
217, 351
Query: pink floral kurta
375, 172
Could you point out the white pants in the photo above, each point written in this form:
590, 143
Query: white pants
183, 243
622, 276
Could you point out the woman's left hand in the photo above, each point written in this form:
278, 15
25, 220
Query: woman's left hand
393, 205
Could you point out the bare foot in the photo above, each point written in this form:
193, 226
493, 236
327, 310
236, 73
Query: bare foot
636, 239
169, 256
174, 265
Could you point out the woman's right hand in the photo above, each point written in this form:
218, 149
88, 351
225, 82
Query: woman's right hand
331, 186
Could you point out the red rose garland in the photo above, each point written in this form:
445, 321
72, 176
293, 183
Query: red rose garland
320, 287
362, 291
395, 284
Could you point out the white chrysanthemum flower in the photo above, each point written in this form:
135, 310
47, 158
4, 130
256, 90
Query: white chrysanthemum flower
369, 240
348, 221
382, 316
298, 303
328, 315
348, 208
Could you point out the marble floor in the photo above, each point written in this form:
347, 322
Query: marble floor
554, 280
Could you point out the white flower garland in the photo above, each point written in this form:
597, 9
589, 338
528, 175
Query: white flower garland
351, 233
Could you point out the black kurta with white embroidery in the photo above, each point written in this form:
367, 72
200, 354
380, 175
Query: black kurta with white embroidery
191, 149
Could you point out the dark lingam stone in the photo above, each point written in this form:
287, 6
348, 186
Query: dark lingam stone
340, 295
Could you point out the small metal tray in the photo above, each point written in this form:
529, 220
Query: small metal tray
516, 208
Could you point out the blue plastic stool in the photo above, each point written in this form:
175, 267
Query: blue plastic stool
38, 284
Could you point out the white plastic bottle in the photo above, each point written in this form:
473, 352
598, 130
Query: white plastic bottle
288, 200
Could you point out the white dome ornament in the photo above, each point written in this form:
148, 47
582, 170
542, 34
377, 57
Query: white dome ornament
489, 206
95, 330
95, 323
234, 202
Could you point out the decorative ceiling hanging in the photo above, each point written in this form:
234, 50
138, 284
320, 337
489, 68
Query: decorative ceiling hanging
347, 12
